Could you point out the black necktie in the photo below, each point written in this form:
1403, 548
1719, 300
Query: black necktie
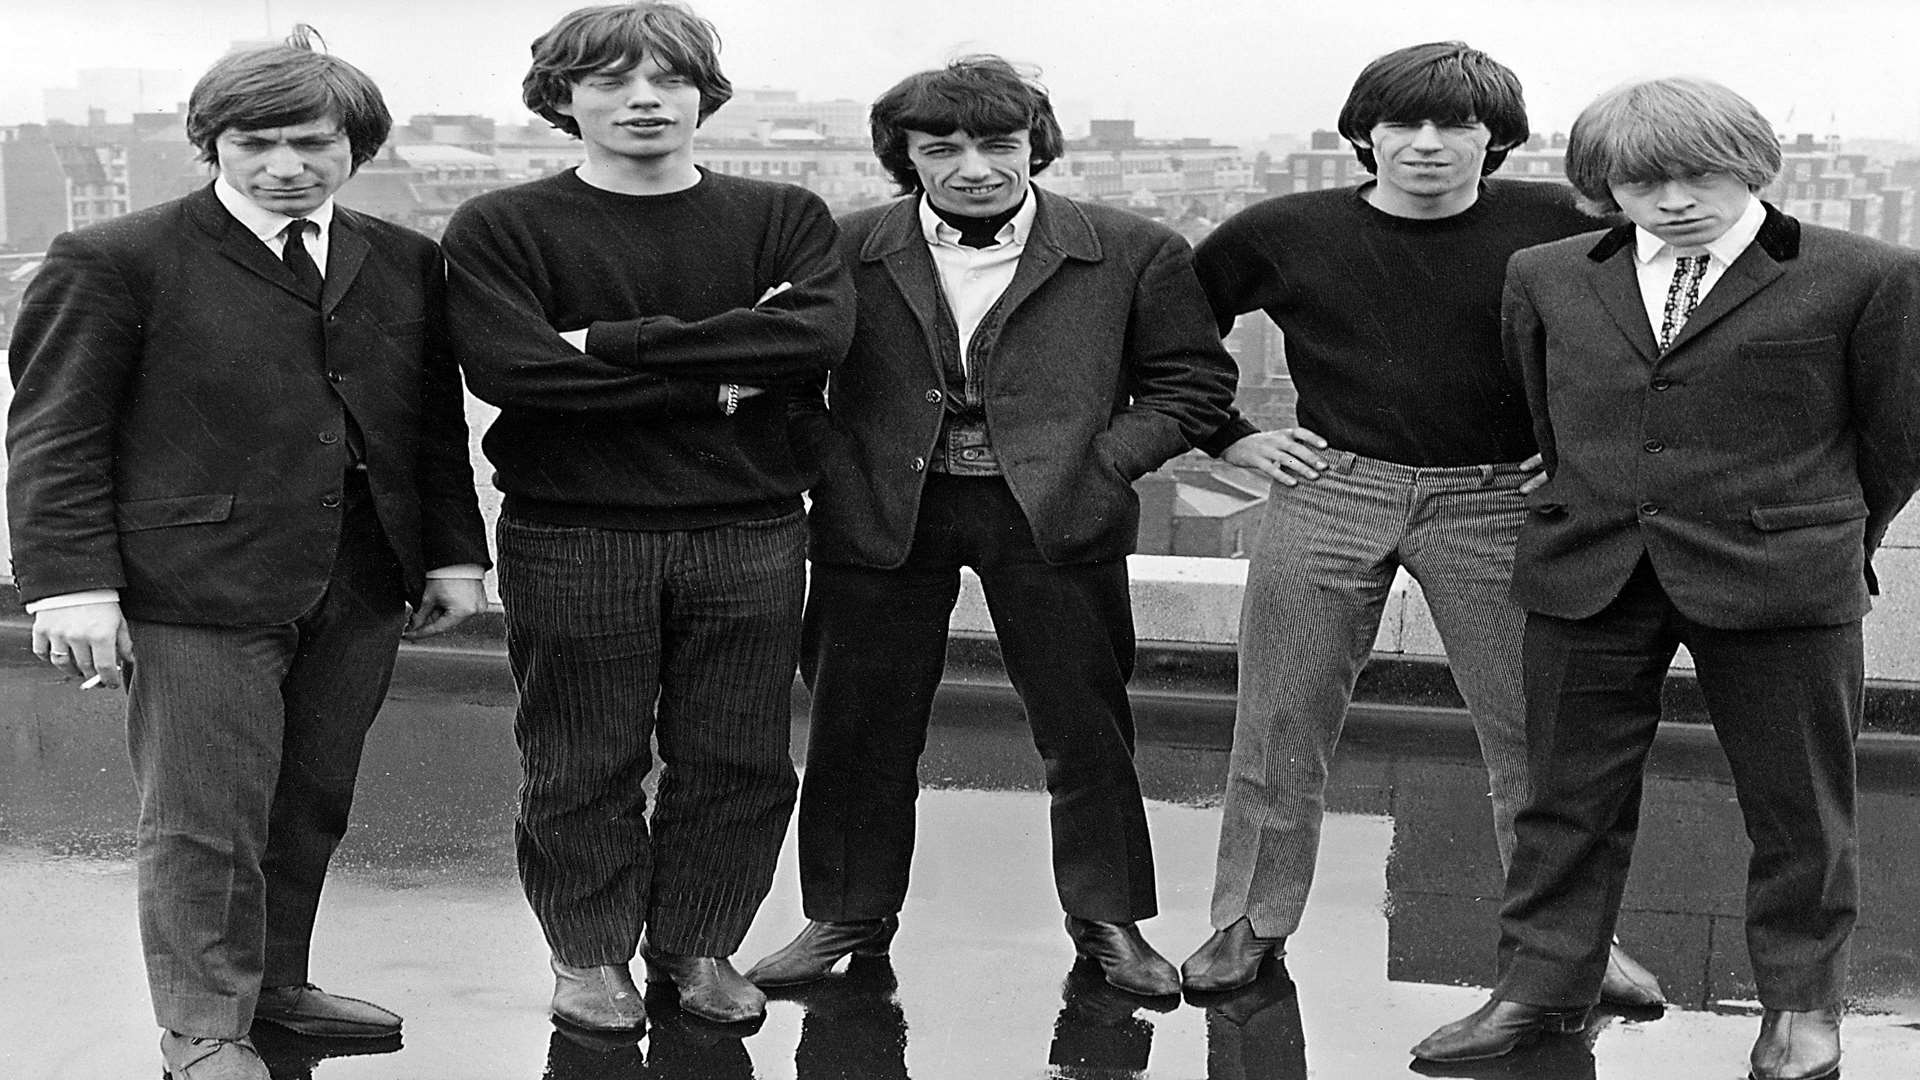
294, 254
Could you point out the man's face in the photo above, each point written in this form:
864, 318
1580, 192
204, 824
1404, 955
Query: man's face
1685, 211
978, 176
289, 170
645, 113
1427, 162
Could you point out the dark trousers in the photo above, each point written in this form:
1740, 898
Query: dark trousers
245, 743
873, 650
617, 638
1785, 704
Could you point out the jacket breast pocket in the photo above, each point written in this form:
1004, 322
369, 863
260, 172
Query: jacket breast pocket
136, 515
1794, 347
1782, 516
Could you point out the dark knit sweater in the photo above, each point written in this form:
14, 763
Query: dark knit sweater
1392, 324
630, 434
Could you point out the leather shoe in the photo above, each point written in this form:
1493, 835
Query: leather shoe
1496, 1028
309, 1010
820, 946
1229, 959
709, 987
1797, 1045
1125, 958
601, 997
184, 1057
1627, 983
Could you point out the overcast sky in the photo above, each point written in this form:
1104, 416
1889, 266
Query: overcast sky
1228, 69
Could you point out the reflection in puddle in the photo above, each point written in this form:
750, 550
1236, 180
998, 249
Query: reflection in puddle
425, 911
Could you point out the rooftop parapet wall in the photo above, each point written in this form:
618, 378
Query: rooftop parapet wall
1190, 606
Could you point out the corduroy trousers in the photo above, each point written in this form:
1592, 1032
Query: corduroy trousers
619, 639
1316, 588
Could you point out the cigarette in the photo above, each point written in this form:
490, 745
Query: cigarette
91, 682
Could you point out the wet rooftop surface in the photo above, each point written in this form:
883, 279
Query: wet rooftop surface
423, 914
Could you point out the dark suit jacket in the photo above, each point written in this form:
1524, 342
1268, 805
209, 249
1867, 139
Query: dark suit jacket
178, 428
1102, 362
1757, 462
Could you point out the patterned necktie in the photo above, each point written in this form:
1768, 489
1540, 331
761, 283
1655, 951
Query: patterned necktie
1682, 296
294, 254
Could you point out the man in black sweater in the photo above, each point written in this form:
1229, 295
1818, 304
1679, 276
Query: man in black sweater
1412, 450
638, 322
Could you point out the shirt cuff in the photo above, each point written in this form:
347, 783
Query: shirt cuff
74, 599
459, 570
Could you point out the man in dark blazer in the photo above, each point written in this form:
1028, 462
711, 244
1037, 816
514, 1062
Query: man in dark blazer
1728, 403
240, 467
1019, 359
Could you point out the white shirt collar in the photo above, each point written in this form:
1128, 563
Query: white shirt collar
1648, 247
937, 231
261, 222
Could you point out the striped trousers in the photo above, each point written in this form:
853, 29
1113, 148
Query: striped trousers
622, 638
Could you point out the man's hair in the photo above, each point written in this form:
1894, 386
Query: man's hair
981, 95
1648, 131
1447, 82
283, 85
615, 38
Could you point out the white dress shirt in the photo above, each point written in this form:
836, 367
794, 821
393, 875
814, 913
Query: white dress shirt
1655, 259
974, 278
271, 225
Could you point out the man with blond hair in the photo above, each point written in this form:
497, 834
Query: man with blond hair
1725, 399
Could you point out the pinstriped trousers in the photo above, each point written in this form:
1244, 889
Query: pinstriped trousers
1316, 587
619, 638
245, 742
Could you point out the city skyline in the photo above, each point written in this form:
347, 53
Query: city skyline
1844, 67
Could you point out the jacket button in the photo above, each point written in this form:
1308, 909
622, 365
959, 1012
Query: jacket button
1653, 446
328, 438
919, 464
1661, 383
933, 395
329, 501
1650, 509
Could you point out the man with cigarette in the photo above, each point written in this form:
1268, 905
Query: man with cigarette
237, 451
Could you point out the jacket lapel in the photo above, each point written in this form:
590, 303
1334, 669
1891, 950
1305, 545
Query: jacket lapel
346, 252
1618, 287
896, 243
1755, 269
238, 245
1060, 231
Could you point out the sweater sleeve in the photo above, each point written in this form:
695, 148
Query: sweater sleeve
1237, 267
793, 337
513, 358
1237, 277
452, 532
